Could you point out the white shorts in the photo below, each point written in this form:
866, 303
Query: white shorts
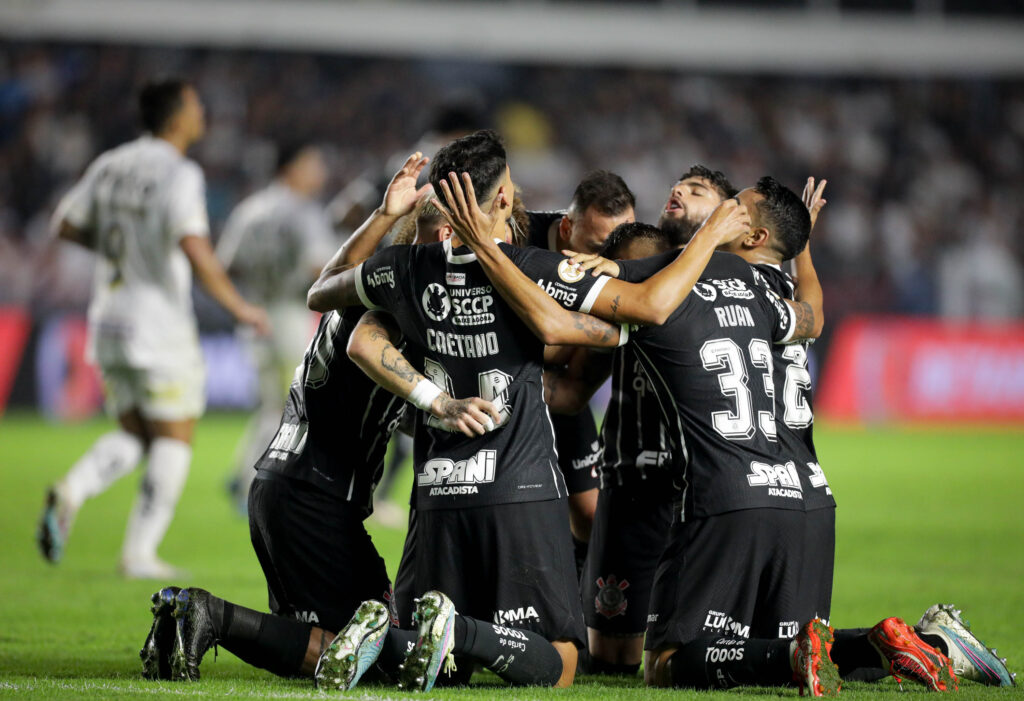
159, 394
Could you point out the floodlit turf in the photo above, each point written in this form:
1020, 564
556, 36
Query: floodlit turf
925, 516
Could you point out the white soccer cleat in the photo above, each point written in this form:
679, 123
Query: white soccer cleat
970, 658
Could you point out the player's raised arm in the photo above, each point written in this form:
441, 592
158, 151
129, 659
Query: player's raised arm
809, 305
547, 319
372, 347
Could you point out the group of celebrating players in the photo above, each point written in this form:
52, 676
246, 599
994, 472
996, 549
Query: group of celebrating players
706, 550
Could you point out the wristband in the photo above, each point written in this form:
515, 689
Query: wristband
424, 394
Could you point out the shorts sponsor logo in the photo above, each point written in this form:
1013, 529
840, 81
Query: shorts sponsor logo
652, 618
590, 460
568, 272
611, 600
559, 292
436, 303
383, 275
781, 480
788, 629
718, 621
523, 614
307, 616
455, 278
452, 478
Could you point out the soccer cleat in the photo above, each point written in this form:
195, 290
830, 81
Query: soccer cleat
194, 633
54, 525
435, 616
970, 658
813, 668
354, 649
906, 656
150, 569
156, 651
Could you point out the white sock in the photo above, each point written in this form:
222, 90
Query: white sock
111, 457
158, 495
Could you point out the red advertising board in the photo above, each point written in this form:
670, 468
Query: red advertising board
906, 369
14, 328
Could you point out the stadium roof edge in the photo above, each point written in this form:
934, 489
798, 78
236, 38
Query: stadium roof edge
642, 36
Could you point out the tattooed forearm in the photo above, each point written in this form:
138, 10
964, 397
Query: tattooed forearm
615, 305
598, 332
395, 363
804, 320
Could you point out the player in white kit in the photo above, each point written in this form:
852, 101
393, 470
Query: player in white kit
274, 245
142, 208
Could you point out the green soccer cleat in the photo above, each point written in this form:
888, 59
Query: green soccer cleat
970, 658
156, 651
813, 668
194, 633
354, 649
906, 656
435, 616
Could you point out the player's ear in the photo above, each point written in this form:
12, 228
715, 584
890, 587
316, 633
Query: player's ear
759, 236
444, 232
564, 230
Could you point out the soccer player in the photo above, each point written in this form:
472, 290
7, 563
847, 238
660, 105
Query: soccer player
307, 505
468, 491
601, 201
142, 208
274, 245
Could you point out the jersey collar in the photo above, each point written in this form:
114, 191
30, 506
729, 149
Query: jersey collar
463, 258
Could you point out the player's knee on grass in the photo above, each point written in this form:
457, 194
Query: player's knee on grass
569, 654
615, 654
656, 667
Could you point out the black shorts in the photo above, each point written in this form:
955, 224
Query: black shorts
736, 574
508, 564
819, 564
630, 530
579, 450
318, 559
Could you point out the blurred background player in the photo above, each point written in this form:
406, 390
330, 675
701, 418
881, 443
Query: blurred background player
142, 207
274, 244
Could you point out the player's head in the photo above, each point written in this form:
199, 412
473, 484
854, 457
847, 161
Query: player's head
635, 240
691, 200
302, 167
779, 222
171, 107
601, 202
426, 224
482, 155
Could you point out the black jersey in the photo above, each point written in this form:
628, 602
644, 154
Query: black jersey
711, 366
539, 226
473, 344
337, 421
634, 435
794, 412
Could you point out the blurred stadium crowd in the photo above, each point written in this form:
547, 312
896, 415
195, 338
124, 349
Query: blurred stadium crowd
925, 174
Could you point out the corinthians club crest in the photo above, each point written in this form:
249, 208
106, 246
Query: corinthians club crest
435, 302
610, 600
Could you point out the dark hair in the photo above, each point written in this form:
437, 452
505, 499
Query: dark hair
716, 178
604, 191
159, 101
785, 215
625, 234
481, 154
288, 152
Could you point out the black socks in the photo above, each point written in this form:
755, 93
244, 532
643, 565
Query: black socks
519, 657
396, 643
715, 662
270, 642
855, 656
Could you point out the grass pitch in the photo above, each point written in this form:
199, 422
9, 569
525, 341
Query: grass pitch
925, 516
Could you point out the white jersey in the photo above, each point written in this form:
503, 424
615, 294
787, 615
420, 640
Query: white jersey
139, 200
273, 244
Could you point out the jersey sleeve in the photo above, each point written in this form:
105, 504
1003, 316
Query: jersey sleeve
576, 291
186, 205
782, 315
377, 278
639, 269
78, 206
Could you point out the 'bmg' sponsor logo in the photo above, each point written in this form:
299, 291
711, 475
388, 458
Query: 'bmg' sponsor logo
448, 477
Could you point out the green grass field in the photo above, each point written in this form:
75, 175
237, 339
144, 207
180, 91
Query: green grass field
925, 516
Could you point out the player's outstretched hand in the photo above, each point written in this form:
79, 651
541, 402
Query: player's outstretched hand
728, 222
592, 262
401, 196
471, 224
813, 199
472, 416
256, 317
